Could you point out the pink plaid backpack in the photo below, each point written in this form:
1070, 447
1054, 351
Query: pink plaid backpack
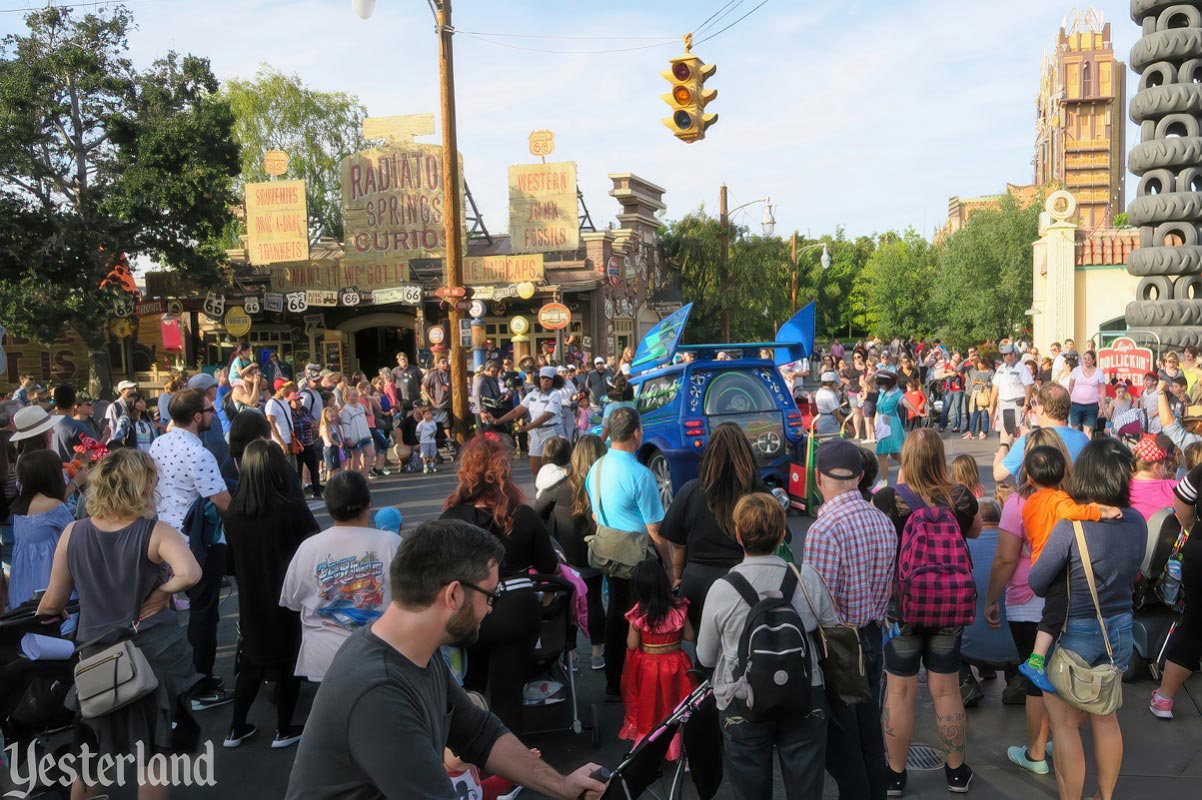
935, 586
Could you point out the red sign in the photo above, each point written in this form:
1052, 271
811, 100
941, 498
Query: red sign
447, 292
1126, 361
614, 270
150, 307
463, 305
554, 316
173, 338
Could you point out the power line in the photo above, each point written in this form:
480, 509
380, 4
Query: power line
717, 15
731, 25
580, 38
70, 5
567, 52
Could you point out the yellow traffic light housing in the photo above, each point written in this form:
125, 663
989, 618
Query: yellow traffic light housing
689, 97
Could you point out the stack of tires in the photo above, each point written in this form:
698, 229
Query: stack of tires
1168, 160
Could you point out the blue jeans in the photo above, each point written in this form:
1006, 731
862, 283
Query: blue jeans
800, 745
1083, 415
855, 744
951, 407
979, 423
1083, 636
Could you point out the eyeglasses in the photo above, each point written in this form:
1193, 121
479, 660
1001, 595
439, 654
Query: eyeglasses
490, 598
209, 410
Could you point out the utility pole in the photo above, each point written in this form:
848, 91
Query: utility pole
454, 212
724, 275
793, 285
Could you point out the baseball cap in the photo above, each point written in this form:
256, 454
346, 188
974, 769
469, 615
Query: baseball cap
547, 372
830, 377
121, 387
278, 383
325, 373
314, 368
1007, 350
598, 360
203, 381
390, 518
840, 459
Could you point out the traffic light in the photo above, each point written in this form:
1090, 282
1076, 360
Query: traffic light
689, 97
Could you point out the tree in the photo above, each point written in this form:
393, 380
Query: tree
276, 111
834, 288
99, 160
983, 287
897, 284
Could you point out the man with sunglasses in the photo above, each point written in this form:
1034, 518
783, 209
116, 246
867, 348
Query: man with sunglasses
389, 708
188, 472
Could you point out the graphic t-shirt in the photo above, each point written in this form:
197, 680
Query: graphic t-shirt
338, 581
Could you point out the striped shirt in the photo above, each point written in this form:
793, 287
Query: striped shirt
853, 546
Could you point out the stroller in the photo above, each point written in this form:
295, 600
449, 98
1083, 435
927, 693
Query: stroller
552, 658
642, 766
935, 401
1153, 619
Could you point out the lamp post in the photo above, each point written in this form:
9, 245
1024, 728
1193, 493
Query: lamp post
767, 224
453, 198
825, 260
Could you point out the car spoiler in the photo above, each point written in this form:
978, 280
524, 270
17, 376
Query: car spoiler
794, 341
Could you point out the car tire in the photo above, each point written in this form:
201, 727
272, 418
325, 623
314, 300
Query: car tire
657, 462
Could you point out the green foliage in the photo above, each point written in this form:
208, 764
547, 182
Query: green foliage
1120, 220
276, 111
841, 303
97, 160
897, 283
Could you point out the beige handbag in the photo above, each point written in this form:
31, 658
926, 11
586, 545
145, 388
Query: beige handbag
612, 551
113, 678
1095, 690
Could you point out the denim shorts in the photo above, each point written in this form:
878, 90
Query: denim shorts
1083, 636
333, 457
938, 649
358, 446
1083, 414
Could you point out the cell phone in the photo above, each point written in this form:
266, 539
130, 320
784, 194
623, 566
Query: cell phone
1009, 421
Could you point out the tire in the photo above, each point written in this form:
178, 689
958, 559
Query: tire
1157, 76
1188, 289
1164, 313
1178, 44
1163, 181
1167, 153
1148, 8
1154, 288
1160, 208
1137, 668
1186, 121
1166, 16
1189, 180
657, 462
1190, 71
1176, 336
1181, 260
1156, 237
1171, 98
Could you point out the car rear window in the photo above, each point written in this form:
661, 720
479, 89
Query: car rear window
656, 393
737, 393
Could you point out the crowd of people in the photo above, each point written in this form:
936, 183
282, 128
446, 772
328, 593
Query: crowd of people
139, 516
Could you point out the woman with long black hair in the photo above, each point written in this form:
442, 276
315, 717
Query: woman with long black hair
699, 523
264, 526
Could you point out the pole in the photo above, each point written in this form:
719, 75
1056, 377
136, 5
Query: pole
454, 213
793, 289
724, 273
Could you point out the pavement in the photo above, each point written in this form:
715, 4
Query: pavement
1162, 759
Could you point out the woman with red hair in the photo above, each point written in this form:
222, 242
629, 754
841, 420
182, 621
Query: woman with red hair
488, 496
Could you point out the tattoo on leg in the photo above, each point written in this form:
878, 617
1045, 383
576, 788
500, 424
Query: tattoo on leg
951, 732
887, 723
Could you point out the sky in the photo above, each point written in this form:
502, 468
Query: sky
865, 114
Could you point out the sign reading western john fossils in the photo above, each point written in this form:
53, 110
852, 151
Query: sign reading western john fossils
542, 207
393, 205
277, 222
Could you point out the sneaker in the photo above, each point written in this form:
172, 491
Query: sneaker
540, 692
286, 737
1018, 755
211, 699
1161, 706
385, 471
1037, 676
598, 663
375, 473
236, 737
981, 436
895, 782
512, 793
958, 779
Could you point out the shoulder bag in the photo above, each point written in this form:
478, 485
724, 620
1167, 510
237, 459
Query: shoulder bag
114, 676
841, 654
1094, 690
612, 551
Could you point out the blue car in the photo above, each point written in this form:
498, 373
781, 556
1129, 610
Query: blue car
681, 403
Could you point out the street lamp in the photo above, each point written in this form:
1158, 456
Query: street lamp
767, 224
363, 8
825, 260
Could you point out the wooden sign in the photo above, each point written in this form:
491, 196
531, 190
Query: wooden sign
321, 297
409, 295
1125, 360
151, 307
542, 207
554, 316
436, 334
273, 301
333, 357
334, 275
251, 304
542, 143
296, 302
277, 222
237, 321
349, 296
504, 269
214, 305
275, 162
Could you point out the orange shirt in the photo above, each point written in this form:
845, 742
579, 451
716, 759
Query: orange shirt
1045, 508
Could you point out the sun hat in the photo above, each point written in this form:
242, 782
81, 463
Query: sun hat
32, 421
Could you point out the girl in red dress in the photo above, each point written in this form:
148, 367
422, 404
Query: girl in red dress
656, 675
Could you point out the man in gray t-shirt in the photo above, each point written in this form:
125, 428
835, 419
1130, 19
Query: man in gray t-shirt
68, 432
388, 705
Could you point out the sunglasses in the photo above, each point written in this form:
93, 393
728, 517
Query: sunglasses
209, 410
490, 598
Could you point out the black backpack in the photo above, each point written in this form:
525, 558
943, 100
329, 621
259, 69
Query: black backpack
774, 652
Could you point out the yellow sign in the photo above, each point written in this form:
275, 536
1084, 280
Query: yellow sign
121, 328
393, 205
519, 326
335, 275
275, 162
542, 207
526, 290
237, 321
503, 269
67, 358
542, 143
277, 222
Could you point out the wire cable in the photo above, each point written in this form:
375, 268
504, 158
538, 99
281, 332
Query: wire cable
731, 25
565, 52
576, 38
701, 27
69, 5
718, 16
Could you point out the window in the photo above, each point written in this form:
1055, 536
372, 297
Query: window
1086, 82
658, 393
737, 393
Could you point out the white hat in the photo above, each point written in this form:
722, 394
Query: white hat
830, 377
121, 387
32, 421
547, 372
598, 360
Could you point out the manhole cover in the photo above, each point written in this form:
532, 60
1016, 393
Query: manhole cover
924, 757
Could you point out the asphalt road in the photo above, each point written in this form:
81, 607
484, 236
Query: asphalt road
1161, 758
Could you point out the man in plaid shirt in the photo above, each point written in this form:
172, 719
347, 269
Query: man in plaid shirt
853, 546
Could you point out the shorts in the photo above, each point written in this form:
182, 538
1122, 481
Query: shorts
441, 417
539, 438
854, 401
359, 446
938, 649
1055, 607
429, 450
1083, 415
1083, 636
333, 458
